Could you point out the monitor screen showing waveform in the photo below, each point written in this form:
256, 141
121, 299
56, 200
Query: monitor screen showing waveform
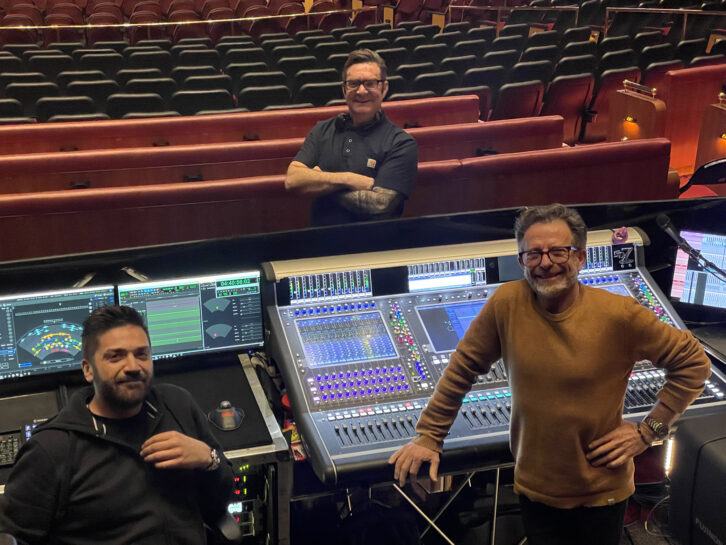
41, 332
694, 283
191, 315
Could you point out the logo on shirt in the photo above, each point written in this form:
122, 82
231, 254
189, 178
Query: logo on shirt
371, 163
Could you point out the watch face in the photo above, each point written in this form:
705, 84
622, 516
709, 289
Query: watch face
659, 428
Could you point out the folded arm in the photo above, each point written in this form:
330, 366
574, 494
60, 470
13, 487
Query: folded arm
313, 181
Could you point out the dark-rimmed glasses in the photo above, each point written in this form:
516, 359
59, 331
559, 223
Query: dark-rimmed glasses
556, 254
369, 84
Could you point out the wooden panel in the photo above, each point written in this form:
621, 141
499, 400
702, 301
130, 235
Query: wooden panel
634, 116
687, 93
207, 129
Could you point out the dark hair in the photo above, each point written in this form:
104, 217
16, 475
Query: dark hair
549, 213
365, 55
104, 319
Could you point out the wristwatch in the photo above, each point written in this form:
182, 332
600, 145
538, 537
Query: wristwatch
214, 464
659, 429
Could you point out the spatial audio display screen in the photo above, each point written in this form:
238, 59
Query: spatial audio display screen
41, 332
446, 324
347, 338
191, 315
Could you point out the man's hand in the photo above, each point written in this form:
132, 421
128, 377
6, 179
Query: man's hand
616, 447
174, 450
408, 460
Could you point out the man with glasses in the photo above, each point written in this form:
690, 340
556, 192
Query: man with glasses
358, 165
568, 350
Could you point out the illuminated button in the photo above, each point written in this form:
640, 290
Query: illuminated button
373, 305
365, 305
405, 386
304, 312
345, 307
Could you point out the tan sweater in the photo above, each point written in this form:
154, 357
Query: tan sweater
568, 374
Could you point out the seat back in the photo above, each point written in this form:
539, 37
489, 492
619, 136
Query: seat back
518, 100
569, 96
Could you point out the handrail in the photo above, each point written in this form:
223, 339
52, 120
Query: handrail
200, 22
501, 9
684, 12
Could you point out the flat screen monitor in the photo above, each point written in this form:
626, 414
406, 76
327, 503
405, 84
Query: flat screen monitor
40, 332
691, 283
201, 314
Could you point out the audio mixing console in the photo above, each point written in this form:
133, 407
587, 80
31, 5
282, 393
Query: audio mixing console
361, 341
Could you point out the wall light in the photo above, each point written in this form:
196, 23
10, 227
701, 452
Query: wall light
630, 119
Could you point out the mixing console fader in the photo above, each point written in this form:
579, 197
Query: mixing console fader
362, 340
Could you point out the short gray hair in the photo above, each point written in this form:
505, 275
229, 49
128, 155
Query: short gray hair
547, 214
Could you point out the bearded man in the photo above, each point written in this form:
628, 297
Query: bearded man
568, 350
124, 462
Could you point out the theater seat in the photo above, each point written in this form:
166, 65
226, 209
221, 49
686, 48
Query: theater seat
438, 82
596, 126
259, 97
119, 105
47, 107
518, 100
712, 173
192, 102
319, 93
569, 96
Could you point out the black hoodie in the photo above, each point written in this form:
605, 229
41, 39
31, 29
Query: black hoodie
75, 483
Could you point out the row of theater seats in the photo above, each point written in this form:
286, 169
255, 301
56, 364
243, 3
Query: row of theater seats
531, 167
147, 19
686, 92
237, 63
278, 71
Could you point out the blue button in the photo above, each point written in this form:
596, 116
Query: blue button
365, 305
373, 305
325, 397
405, 386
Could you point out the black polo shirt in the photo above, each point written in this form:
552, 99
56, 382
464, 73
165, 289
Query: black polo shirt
378, 149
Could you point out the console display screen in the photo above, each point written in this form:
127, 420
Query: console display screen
446, 324
345, 339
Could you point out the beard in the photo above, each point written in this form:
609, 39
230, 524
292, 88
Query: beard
552, 287
123, 395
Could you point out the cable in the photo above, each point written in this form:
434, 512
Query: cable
651, 514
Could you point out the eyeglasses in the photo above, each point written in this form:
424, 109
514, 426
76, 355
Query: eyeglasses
557, 255
369, 84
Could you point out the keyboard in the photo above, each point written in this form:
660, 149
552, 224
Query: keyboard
9, 447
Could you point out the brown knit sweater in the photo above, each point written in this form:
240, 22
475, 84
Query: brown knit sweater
568, 374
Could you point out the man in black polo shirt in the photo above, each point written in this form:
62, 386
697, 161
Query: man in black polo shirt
359, 165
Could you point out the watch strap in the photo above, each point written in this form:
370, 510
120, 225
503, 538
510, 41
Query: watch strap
215, 461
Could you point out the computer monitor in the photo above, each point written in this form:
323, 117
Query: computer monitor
40, 332
692, 284
201, 314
